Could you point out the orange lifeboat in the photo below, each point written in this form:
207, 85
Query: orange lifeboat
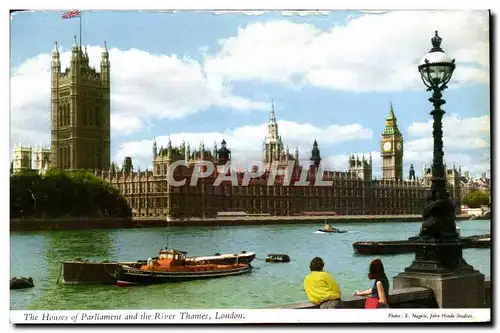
171, 266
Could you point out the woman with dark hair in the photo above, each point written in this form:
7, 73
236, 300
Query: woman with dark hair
320, 287
380, 289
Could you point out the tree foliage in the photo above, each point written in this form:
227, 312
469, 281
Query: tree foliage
65, 194
476, 199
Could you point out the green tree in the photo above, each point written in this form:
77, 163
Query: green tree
476, 199
65, 194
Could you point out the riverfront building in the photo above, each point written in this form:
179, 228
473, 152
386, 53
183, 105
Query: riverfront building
80, 139
80, 112
353, 192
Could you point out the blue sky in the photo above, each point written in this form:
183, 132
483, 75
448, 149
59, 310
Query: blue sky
198, 76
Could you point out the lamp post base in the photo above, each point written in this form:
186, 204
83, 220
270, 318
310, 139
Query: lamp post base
439, 266
439, 257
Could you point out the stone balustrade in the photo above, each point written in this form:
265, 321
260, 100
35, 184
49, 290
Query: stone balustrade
414, 297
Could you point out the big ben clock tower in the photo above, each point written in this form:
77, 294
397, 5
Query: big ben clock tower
391, 147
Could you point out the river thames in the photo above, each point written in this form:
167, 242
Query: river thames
38, 254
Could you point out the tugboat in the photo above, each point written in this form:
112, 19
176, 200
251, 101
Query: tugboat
171, 266
330, 229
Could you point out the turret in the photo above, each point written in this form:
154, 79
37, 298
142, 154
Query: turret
202, 150
412, 173
155, 148
215, 150
105, 65
56, 61
224, 154
127, 165
75, 57
315, 154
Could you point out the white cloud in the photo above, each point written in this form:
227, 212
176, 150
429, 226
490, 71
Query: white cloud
466, 142
143, 86
246, 142
369, 53
127, 123
454, 126
459, 134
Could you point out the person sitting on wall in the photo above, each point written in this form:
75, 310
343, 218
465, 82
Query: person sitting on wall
380, 290
321, 288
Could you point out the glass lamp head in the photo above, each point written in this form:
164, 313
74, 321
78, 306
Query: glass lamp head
436, 67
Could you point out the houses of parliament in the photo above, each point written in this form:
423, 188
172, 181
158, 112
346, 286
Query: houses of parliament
80, 139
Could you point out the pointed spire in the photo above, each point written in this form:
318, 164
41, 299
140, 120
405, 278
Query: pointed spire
169, 143
75, 50
391, 115
272, 115
105, 53
55, 51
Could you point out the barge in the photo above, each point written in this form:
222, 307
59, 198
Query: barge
409, 246
80, 271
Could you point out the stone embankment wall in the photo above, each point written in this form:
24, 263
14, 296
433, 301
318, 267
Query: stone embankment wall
72, 223
118, 223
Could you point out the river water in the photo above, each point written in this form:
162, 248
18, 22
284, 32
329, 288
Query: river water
38, 254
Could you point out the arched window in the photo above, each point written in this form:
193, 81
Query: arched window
60, 115
92, 157
97, 165
59, 157
96, 116
63, 121
91, 118
66, 115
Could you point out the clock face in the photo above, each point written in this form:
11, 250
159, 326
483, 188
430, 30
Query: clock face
387, 146
398, 146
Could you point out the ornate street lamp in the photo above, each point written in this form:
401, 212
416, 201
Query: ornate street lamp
436, 70
439, 248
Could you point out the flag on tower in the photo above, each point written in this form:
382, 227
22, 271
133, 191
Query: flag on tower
71, 14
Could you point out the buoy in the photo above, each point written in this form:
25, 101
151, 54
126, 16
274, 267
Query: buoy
21, 282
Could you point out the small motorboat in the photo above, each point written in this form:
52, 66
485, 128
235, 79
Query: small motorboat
224, 259
277, 257
171, 266
329, 228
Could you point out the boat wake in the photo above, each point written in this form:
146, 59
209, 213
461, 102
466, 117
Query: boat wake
319, 232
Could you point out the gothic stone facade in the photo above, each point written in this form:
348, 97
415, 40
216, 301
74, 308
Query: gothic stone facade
353, 192
80, 112
151, 195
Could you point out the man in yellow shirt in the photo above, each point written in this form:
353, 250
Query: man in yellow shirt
320, 287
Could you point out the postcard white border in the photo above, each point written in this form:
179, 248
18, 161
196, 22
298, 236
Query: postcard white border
263, 316
193, 4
